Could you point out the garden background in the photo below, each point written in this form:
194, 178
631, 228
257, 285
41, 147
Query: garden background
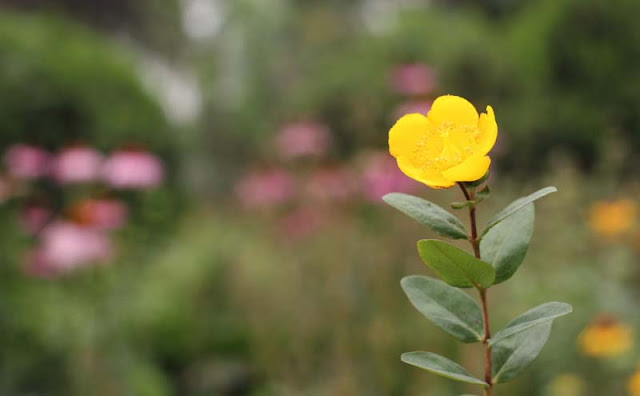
191, 191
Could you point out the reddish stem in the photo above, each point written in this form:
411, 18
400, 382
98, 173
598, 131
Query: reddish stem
473, 239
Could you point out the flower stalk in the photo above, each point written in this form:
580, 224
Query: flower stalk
447, 147
469, 195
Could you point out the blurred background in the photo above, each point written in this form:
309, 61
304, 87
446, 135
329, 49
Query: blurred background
191, 191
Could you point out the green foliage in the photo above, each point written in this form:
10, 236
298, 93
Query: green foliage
428, 214
447, 307
440, 365
533, 317
506, 244
62, 84
511, 355
516, 206
455, 266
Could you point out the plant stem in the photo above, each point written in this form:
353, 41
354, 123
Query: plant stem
470, 196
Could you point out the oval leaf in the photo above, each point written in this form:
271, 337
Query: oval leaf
449, 308
533, 317
455, 266
506, 244
511, 355
427, 213
516, 206
441, 366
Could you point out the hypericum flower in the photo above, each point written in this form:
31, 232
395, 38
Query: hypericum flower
566, 385
633, 386
449, 145
612, 219
606, 337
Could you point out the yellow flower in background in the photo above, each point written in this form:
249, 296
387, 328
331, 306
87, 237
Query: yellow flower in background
449, 145
633, 386
612, 219
567, 385
605, 337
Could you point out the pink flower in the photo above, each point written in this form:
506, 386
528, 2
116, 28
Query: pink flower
65, 246
76, 165
382, 176
303, 139
301, 222
330, 184
100, 214
265, 188
413, 106
33, 218
133, 169
26, 162
413, 79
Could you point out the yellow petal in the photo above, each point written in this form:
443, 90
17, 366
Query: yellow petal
406, 133
431, 179
488, 132
472, 169
453, 109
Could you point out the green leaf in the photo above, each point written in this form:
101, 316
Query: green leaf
462, 205
533, 317
449, 308
483, 194
511, 355
516, 206
506, 244
441, 366
427, 213
455, 266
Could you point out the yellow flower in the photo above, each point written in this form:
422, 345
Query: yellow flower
633, 386
612, 219
606, 337
449, 145
567, 385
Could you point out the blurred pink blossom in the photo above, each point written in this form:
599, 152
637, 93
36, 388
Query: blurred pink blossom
265, 188
413, 106
303, 139
301, 222
331, 184
26, 162
133, 169
33, 218
65, 246
382, 176
413, 79
100, 214
76, 165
